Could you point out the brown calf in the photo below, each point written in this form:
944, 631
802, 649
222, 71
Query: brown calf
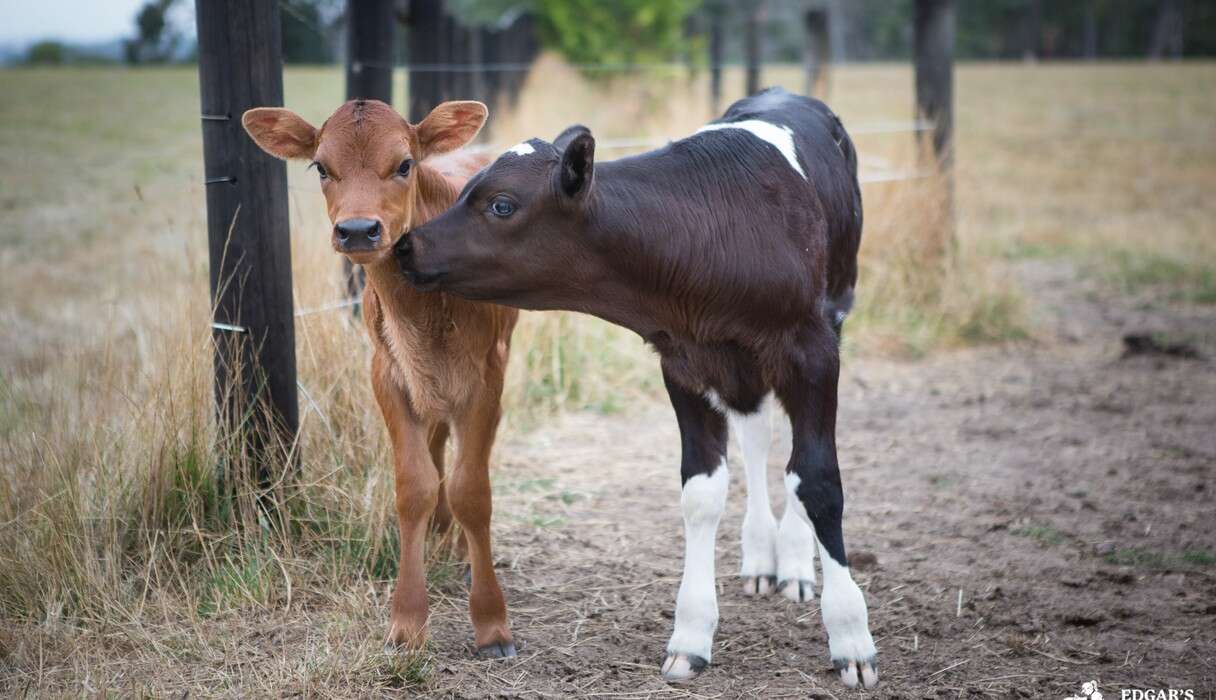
438, 361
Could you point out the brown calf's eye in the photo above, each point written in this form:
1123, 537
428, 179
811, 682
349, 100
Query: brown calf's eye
404, 168
321, 170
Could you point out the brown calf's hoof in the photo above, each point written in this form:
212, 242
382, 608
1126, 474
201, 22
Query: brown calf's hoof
759, 585
851, 672
497, 651
681, 668
799, 591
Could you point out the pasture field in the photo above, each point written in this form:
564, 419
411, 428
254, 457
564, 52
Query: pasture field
1033, 507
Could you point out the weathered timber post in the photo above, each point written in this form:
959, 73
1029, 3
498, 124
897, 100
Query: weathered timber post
428, 35
240, 67
717, 41
369, 76
933, 46
751, 44
817, 53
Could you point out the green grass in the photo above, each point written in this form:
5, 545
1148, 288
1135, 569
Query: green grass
402, 671
1189, 279
237, 582
1160, 559
1045, 535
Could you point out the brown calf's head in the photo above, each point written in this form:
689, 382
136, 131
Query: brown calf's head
366, 155
516, 229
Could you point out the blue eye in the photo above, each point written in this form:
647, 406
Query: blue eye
502, 207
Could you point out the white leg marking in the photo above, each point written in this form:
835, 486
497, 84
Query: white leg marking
848, 624
703, 499
779, 136
754, 433
844, 614
795, 548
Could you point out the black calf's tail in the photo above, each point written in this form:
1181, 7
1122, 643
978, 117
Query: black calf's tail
844, 225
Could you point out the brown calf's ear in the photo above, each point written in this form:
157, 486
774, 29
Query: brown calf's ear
281, 132
578, 164
450, 126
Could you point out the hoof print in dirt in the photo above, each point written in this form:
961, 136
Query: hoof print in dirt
680, 668
851, 674
759, 585
496, 651
799, 591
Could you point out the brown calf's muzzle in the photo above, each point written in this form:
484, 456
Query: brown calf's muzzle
358, 235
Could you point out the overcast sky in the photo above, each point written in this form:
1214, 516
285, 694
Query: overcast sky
22, 21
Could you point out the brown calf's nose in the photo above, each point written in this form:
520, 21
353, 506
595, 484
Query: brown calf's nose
358, 234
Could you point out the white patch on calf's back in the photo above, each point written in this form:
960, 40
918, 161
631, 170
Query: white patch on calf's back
522, 148
781, 137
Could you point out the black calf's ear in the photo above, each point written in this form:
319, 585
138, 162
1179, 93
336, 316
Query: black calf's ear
578, 164
563, 139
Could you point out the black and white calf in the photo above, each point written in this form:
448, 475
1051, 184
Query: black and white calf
733, 252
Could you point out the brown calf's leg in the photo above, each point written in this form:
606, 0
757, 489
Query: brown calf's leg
417, 483
469, 493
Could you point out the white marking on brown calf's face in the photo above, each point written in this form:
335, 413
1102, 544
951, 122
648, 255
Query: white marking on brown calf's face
780, 137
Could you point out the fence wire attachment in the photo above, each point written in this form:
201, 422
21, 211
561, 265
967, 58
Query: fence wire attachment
344, 303
228, 327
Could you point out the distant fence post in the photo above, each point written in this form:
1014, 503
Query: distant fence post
933, 43
239, 67
817, 52
369, 76
427, 44
717, 17
751, 44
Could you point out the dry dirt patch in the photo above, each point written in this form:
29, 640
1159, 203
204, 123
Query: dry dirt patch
1027, 518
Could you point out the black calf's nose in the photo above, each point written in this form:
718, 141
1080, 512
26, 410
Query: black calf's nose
354, 234
405, 246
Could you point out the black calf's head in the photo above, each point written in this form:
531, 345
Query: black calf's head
516, 228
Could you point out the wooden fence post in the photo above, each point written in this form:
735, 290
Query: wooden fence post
717, 17
933, 46
239, 67
427, 44
817, 53
369, 76
751, 44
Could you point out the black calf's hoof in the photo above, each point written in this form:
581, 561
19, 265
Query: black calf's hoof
852, 673
496, 651
759, 585
799, 590
681, 668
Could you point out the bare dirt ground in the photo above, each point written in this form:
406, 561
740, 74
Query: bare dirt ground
1022, 519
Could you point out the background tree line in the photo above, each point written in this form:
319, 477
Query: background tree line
636, 31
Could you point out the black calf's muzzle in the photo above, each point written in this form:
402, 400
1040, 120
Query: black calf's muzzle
404, 252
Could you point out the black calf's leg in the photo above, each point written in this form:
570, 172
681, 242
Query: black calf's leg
812, 483
704, 477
